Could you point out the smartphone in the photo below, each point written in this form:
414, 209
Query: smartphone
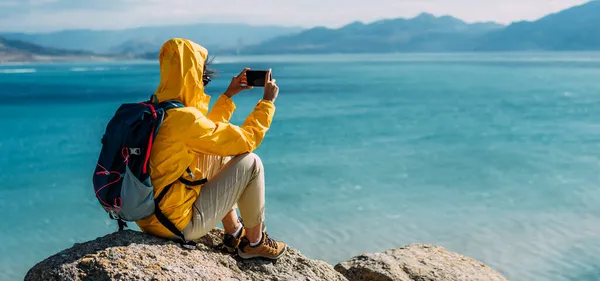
256, 78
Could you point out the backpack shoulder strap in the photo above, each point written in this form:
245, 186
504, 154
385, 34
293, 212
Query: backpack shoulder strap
162, 108
170, 104
165, 105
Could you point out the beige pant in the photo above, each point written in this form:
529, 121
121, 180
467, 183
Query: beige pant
241, 181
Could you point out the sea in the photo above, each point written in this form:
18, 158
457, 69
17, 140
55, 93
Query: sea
492, 155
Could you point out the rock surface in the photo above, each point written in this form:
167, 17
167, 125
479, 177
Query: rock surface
132, 255
417, 262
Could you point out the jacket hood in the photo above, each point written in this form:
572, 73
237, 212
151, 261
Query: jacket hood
181, 68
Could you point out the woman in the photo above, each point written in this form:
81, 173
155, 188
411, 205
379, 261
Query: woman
192, 138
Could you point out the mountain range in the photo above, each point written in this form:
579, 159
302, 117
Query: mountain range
144, 39
423, 33
574, 29
19, 51
577, 28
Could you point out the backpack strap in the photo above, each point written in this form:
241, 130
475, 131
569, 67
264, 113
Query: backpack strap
166, 105
162, 218
162, 108
153, 99
122, 224
193, 183
170, 104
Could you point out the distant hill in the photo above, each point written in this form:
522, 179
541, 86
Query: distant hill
574, 29
137, 46
19, 51
151, 38
422, 33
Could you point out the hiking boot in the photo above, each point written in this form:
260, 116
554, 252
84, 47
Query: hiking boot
267, 248
230, 242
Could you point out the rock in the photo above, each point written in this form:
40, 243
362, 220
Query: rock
132, 255
416, 262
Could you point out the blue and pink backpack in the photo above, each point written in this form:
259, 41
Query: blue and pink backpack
121, 179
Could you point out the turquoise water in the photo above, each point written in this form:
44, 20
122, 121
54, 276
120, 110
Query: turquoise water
495, 156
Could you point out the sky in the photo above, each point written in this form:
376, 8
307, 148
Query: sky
52, 15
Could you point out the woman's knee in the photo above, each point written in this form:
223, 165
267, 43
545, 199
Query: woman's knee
252, 161
258, 164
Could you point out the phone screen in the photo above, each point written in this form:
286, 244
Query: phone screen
256, 78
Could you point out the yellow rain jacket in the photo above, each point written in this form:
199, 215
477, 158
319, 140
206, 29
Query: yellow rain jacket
189, 133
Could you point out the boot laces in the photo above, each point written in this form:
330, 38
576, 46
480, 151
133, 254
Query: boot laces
270, 242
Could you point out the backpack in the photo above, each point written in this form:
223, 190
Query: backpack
121, 179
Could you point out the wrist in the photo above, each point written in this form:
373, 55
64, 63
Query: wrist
229, 94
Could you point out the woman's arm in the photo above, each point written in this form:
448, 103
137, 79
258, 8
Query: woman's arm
222, 110
224, 107
225, 139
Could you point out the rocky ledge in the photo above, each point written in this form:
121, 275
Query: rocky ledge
132, 255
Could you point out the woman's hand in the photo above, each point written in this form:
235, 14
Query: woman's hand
271, 89
238, 83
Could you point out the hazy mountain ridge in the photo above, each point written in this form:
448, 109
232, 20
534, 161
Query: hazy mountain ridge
18, 51
422, 33
8, 45
125, 41
576, 28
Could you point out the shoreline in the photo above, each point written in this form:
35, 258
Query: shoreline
408, 57
19, 60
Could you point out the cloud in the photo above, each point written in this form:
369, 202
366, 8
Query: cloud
9, 4
15, 3
39, 2
44, 15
